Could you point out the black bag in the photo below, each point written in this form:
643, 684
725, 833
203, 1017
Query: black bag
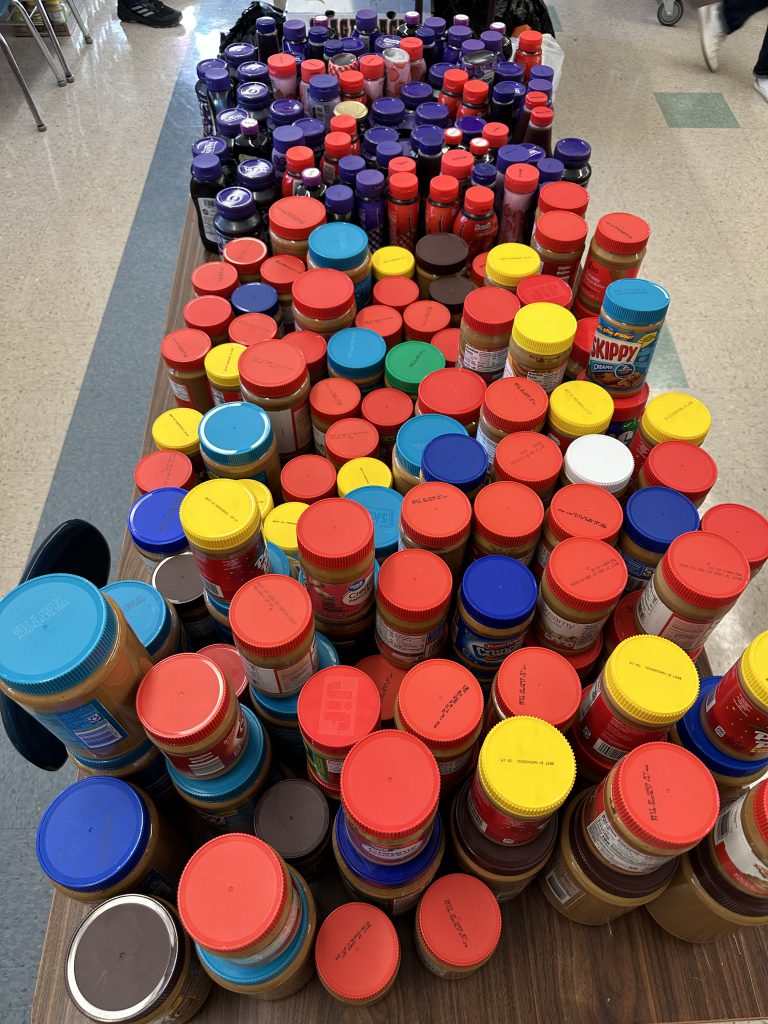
512, 12
244, 29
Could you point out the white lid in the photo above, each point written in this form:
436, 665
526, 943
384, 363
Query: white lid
599, 460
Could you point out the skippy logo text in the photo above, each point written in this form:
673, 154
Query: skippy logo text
619, 346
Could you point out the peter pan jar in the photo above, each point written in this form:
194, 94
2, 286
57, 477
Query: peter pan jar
682, 466
735, 714
743, 525
452, 951
293, 818
599, 460
331, 400
437, 517
237, 442
538, 682
531, 459
578, 408
452, 392
274, 376
510, 405
184, 353
323, 301
412, 438
540, 344
357, 353
458, 461
154, 525
578, 510
506, 520
485, 330
151, 618
670, 417
653, 517
357, 954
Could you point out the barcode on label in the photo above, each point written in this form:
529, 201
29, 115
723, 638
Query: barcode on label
102, 735
727, 820
560, 893
606, 750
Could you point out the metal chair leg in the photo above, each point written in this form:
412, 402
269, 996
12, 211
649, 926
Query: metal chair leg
55, 68
41, 126
40, 8
78, 18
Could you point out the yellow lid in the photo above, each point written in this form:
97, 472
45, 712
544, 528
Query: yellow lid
393, 261
544, 329
580, 407
363, 473
526, 766
676, 417
221, 365
510, 263
754, 669
176, 430
219, 515
651, 679
280, 526
263, 496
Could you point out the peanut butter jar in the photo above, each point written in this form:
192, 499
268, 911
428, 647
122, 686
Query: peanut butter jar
437, 517
578, 510
738, 844
144, 768
294, 818
538, 682
412, 598
735, 714
357, 954
458, 926
506, 520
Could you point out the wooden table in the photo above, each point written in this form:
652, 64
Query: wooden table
546, 969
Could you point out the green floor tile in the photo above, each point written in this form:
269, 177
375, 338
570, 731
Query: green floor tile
666, 373
696, 110
556, 23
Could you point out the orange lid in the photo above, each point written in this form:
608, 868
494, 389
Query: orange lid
251, 328
586, 574
334, 399
232, 893
454, 79
345, 122
385, 320
496, 134
217, 278
390, 784
337, 707
622, 233
310, 68
308, 478
459, 920
401, 165
422, 320
441, 702
414, 585
351, 82
296, 217
544, 288
665, 796
372, 66
208, 313
584, 510
513, 404
271, 616
447, 342
272, 369
490, 310
185, 350
435, 515
528, 458
542, 117
560, 231
681, 465
744, 526
403, 185
413, 47
621, 624
564, 195
183, 699
522, 179
508, 514
351, 438
281, 271
478, 268
475, 91
705, 570
458, 163
281, 65
397, 292
335, 533
245, 254
166, 468
534, 99
478, 199
357, 952
338, 144
388, 678
322, 294
387, 408
538, 682
230, 663
443, 188
312, 346
454, 392
299, 158
530, 40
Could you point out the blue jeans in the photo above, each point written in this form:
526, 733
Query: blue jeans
735, 13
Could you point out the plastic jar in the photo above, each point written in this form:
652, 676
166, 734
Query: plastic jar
457, 460
437, 517
621, 624
280, 272
626, 415
444, 949
412, 599
237, 441
342, 246
331, 400
738, 845
485, 329
507, 520
280, 528
545, 288
221, 369
144, 767
384, 321
363, 472
616, 251
336, 708
652, 519
307, 479
210, 314
581, 347
576, 409
563, 195
274, 376
394, 291
735, 715
382, 503
231, 664
412, 439
406, 365
184, 354
357, 354
540, 344
390, 786
154, 526
448, 343
745, 527
176, 430
179, 581
387, 409
439, 255
349, 439
291, 221
509, 264
370, 973
100, 837
293, 817
154, 622
251, 328
451, 292
245, 255
388, 678
424, 319
558, 239
670, 417
392, 261
163, 469
510, 405
313, 347
531, 459
453, 392
537, 682
323, 302
598, 460
578, 510
682, 466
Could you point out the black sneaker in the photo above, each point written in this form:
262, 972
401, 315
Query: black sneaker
148, 12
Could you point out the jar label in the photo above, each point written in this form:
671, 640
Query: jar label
654, 617
218, 758
340, 600
543, 554
495, 824
623, 430
734, 853
283, 939
155, 883
489, 445
734, 719
282, 681
291, 427
190, 999
562, 632
88, 727
417, 646
638, 573
319, 438
481, 649
180, 391
388, 854
560, 883
611, 846
221, 396
565, 271
328, 769
620, 356
223, 577
456, 763
207, 208
640, 448
610, 737
548, 379
596, 277
481, 360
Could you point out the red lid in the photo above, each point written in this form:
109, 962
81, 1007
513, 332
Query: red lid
251, 328
338, 144
335, 533
478, 268
185, 350
230, 663
515, 403
401, 165
217, 278
453, 392
508, 514
458, 163
299, 158
384, 320
478, 148
629, 407
496, 134
564, 195
310, 68
165, 468
281, 65
529, 41
414, 585
585, 510
386, 408
308, 478
682, 466
529, 458
452, 136
345, 123
422, 320
334, 399
183, 699
337, 707
705, 570
586, 574
441, 702
521, 178
281, 271
397, 292
403, 186
332, 792
478, 199
490, 310
582, 340
271, 616
245, 254
351, 81
583, 661
272, 369
459, 920
760, 809
454, 79
560, 231
352, 438
435, 515
372, 66
413, 47
390, 784
296, 217
542, 117
621, 624
538, 682
535, 99
448, 343
388, 678
322, 294
475, 91
443, 188
208, 313
665, 796
544, 288
232, 893
744, 526
312, 346
622, 233
357, 952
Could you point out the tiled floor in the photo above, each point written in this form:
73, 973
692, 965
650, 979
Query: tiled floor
94, 207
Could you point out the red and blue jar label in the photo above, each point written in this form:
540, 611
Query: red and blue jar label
620, 356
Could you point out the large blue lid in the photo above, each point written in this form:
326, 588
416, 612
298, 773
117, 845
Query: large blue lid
455, 459
634, 301
654, 516
389, 876
278, 560
235, 434
415, 434
285, 708
55, 631
693, 737
498, 591
237, 780
93, 834
255, 297
145, 609
339, 246
383, 505
356, 352
154, 521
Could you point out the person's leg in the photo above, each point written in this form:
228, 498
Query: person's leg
761, 69
718, 20
150, 12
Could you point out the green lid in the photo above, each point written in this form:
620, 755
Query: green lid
408, 364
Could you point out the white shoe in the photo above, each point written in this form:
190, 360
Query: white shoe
761, 84
712, 32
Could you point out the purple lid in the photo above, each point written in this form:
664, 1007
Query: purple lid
324, 87
433, 113
249, 126
209, 145
387, 110
318, 34
285, 136
543, 71
235, 203
508, 92
253, 71
535, 153
313, 130
354, 45
370, 184
253, 96
509, 71
413, 94
428, 139
457, 34
540, 85
321, 19
228, 121
339, 199
484, 174
573, 152
265, 25
386, 43
205, 65
311, 177
492, 41
436, 73
237, 53
412, 18
217, 79
387, 151
426, 35
508, 155
332, 47
367, 20
255, 174
471, 127
350, 167
550, 169
438, 25
471, 46
461, 19
255, 297
375, 136
206, 168
294, 28
285, 112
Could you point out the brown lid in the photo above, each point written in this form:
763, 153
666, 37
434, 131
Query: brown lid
451, 291
293, 817
178, 579
713, 883
442, 254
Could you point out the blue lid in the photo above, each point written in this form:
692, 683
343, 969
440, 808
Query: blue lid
540, 85
458, 33
389, 876
339, 246
236, 53
209, 145
535, 153
370, 184
388, 110
471, 46
415, 434
386, 43
113, 764
285, 709
154, 522
146, 611
339, 199
509, 71
386, 151
654, 516
236, 203
508, 91
255, 174
265, 25
353, 44
294, 28
426, 34
206, 168
255, 298
492, 40
433, 114
254, 96
332, 47
349, 168
55, 631
204, 65
372, 138
325, 87
383, 504
573, 152
222, 607
484, 174
470, 127
543, 71
217, 79
253, 71
367, 19
318, 33
228, 121
455, 459
634, 301
694, 738
278, 560
284, 112
413, 94
438, 25
428, 138
235, 434
498, 591
437, 72
286, 136
356, 352
313, 131
93, 834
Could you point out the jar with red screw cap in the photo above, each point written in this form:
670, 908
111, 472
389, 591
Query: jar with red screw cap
396, 292
531, 459
519, 194
735, 714
447, 342
538, 682
323, 301
337, 145
477, 223
743, 525
164, 469
403, 209
506, 520
528, 53
385, 321
544, 288
369, 973
347, 125
496, 135
437, 517
280, 272
566, 196
485, 330
387, 409
351, 438
282, 76
184, 355
616, 251
251, 328
448, 951
218, 278
510, 405
246, 255
351, 85
372, 68
307, 479
210, 314
291, 221
422, 320
738, 844
412, 599
454, 392
308, 69
332, 399
442, 204
274, 376
415, 49
450, 96
297, 159
682, 466
314, 349
578, 510
458, 164
559, 238
477, 271
580, 349
474, 99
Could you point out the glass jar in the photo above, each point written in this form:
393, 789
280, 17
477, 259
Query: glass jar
184, 355
274, 376
486, 323
237, 441
324, 302
291, 221
541, 340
